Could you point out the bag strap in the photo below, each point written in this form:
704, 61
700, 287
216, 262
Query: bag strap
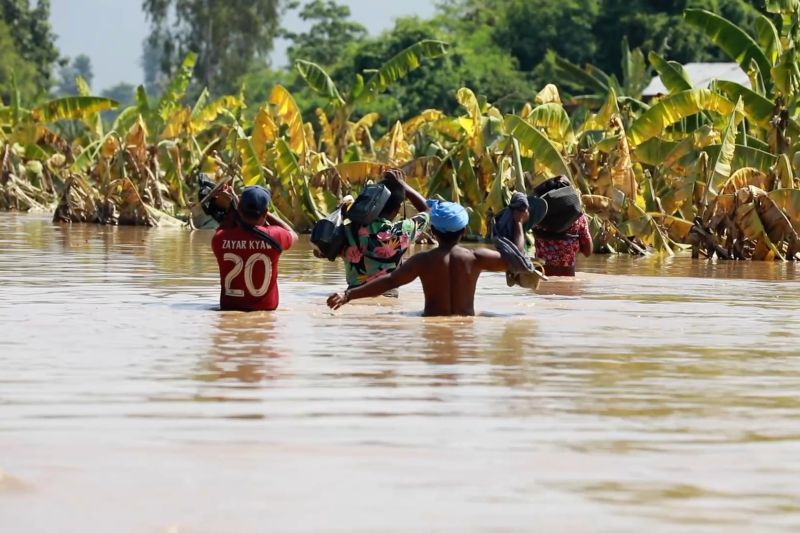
258, 232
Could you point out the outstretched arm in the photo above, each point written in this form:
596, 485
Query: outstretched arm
490, 260
408, 272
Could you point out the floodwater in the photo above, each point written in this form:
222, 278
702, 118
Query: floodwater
646, 395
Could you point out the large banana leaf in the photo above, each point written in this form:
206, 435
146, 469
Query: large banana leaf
401, 64
355, 173
746, 156
177, 87
672, 74
673, 108
733, 40
319, 80
203, 116
571, 73
252, 173
72, 107
757, 108
554, 121
546, 155
722, 164
287, 111
768, 38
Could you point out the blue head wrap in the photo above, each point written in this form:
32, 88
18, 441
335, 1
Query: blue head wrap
448, 217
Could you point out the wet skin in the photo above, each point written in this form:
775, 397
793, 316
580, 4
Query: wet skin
449, 274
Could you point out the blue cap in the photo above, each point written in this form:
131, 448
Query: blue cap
448, 217
254, 201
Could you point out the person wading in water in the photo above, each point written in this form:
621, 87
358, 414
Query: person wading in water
248, 246
449, 273
376, 249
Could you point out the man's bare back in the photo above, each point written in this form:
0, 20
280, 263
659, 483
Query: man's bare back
449, 275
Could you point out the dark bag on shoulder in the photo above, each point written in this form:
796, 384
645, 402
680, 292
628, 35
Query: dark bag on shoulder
369, 204
328, 235
563, 205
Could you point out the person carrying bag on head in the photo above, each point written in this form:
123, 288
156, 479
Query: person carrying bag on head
375, 243
564, 230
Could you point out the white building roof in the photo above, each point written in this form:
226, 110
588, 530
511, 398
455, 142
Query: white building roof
702, 74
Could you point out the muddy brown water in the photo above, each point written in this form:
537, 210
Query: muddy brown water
648, 394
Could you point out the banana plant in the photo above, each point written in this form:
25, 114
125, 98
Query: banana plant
365, 87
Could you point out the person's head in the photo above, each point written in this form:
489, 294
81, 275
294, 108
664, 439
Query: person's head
449, 221
396, 198
254, 204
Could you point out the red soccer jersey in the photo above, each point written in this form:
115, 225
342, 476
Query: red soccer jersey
248, 268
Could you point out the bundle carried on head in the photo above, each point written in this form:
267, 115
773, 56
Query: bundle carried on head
563, 206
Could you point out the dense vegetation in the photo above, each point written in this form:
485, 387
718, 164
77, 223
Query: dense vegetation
713, 168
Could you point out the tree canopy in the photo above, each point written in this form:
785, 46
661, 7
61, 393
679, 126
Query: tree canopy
228, 36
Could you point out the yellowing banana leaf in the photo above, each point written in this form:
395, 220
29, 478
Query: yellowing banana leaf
177, 87
469, 181
745, 177
289, 114
356, 173
252, 173
546, 155
553, 120
642, 226
178, 123
265, 131
597, 205
548, 95
671, 109
678, 229
72, 107
783, 172
411, 125
621, 166
724, 160
202, 118
746, 156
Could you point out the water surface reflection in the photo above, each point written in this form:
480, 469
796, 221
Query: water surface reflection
648, 393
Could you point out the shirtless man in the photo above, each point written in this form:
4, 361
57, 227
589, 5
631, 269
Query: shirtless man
449, 273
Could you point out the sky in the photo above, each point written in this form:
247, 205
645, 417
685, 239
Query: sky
111, 32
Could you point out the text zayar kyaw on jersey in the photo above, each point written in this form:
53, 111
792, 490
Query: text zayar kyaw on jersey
245, 245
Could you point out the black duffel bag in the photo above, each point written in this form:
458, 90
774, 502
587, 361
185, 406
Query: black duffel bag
563, 205
328, 236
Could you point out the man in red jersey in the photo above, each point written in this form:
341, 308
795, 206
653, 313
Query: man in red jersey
248, 250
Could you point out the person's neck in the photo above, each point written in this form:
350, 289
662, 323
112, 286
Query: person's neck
447, 246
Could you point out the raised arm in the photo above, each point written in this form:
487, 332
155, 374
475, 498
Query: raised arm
408, 272
416, 199
490, 260
273, 220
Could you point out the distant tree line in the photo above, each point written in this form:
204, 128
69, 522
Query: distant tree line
504, 50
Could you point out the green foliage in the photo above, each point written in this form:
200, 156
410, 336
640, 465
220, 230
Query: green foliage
33, 38
331, 33
15, 71
227, 35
